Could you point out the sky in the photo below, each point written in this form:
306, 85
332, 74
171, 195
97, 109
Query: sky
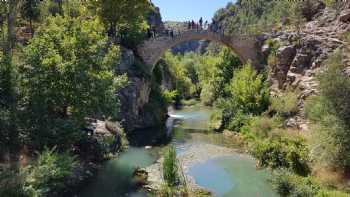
185, 10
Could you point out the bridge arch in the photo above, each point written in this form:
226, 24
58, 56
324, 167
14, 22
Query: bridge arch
244, 47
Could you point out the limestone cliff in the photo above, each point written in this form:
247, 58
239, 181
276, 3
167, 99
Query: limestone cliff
300, 56
135, 97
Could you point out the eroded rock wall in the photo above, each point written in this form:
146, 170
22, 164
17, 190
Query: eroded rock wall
301, 56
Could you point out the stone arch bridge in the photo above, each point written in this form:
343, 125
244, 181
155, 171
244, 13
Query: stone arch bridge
246, 48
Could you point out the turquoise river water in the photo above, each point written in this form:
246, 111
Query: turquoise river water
226, 176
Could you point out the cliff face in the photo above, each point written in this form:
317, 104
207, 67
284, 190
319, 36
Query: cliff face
301, 55
135, 96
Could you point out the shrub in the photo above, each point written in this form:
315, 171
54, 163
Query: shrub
67, 75
282, 152
288, 184
249, 90
286, 104
330, 193
170, 167
169, 96
238, 120
247, 95
11, 184
315, 108
189, 102
47, 176
331, 142
260, 126
207, 94
331, 112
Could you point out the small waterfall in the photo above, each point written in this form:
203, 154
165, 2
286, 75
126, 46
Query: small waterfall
169, 124
171, 120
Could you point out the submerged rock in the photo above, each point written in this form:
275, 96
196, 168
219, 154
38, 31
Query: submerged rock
140, 176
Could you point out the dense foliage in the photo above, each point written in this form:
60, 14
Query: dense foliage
288, 184
201, 76
124, 19
56, 75
49, 174
247, 96
67, 76
330, 113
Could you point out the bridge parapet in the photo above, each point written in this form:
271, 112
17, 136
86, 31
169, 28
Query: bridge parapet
244, 46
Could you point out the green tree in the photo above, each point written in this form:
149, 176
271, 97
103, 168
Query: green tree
67, 75
10, 9
249, 90
9, 139
247, 94
331, 113
30, 10
48, 174
122, 15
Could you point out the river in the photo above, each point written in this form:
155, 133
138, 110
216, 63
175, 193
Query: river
209, 160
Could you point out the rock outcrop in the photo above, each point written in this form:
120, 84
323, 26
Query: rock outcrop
301, 56
136, 95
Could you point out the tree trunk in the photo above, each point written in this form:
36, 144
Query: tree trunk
11, 22
31, 28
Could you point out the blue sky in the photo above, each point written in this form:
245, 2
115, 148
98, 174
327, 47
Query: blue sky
184, 10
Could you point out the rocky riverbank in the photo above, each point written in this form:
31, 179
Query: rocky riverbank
193, 155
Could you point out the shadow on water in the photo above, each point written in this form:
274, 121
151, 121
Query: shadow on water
234, 175
149, 137
115, 177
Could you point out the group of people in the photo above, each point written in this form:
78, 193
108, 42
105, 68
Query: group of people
152, 32
197, 26
191, 25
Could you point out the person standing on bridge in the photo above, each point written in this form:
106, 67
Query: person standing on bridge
206, 25
192, 24
149, 33
201, 23
172, 33
154, 31
189, 25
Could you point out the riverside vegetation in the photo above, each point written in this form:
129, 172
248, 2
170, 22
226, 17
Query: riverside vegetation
62, 71
313, 163
51, 80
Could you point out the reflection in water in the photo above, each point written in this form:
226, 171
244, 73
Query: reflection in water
227, 176
115, 177
235, 175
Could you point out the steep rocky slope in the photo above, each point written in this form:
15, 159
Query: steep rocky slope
301, 55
